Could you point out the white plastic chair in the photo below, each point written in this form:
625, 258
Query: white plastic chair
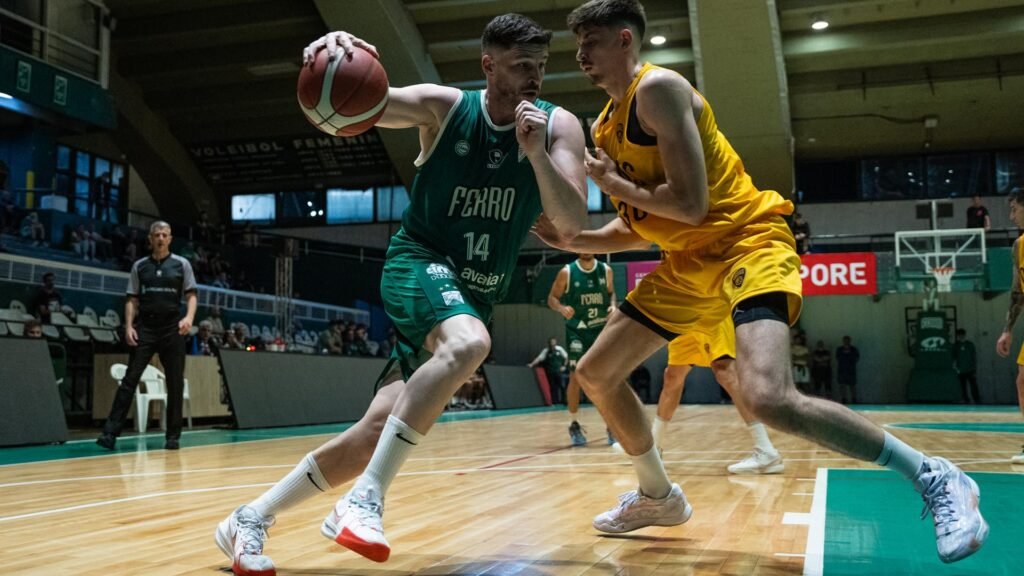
156, 381
88, 312
17, 305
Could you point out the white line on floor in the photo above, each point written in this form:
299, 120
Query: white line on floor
814, 565
789, 555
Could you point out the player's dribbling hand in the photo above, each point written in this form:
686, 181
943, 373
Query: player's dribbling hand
599, 166
130, 337
332, 42
531, 128
1003, 344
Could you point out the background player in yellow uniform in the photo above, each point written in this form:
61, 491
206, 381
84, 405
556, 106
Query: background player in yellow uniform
584, 294
717, 352
1016, 303
676, 181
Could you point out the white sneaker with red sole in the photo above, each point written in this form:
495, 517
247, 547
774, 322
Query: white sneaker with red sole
241, 536
355, 523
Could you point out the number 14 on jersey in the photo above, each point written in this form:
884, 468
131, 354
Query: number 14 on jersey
477, 246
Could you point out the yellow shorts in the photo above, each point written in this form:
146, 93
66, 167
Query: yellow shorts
696, 291
697, 349
1020, 356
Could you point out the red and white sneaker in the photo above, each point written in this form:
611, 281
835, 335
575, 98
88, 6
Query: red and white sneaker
241, 536
355, 523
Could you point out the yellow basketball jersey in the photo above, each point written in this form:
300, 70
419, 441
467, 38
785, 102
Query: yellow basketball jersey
1020, 263
733, 201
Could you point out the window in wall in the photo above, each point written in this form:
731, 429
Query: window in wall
892, 178
391, 203
63, 158
959, 175
826, 182
1009, 171
82, 188
595, 198
302, 206
255, 208
345, 206
76, 179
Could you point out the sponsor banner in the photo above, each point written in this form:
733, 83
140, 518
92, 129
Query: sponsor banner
635, 271
842, 273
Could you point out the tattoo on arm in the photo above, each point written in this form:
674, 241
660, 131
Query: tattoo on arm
1016, 305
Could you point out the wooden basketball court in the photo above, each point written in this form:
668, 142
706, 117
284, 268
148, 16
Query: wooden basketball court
503, 493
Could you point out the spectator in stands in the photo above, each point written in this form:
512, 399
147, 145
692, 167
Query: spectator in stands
236, 338
216, 324
847, 357
821, 370
203, 228
965, 361
7, 212
103, 246
349, 346
82, 243
153, 324
802, 233
33, 329
240, 282
32, 229
977, 215
364, 347
386, 346
203, 342
222, 281
553, 358
801, 357
330, 339
47, 299
99, 197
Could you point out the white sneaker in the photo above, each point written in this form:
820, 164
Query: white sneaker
241, 536
952, 497
1019, 458
355, 523
760, 462
638, 511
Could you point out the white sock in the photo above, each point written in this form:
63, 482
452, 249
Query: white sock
395, 444
760, 435
303, 482
658, 430
654, 482
898, 456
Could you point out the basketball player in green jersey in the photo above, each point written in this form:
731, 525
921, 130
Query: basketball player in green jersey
1016, 302
491, 162
584, 294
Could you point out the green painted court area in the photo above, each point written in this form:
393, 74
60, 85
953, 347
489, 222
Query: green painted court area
872, 527
88, 449
1002, 427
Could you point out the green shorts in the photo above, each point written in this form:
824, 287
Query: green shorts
420, 290
577, 342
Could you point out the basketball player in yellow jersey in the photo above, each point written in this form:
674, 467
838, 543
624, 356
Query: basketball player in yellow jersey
1016, 303
716, 351
677, 182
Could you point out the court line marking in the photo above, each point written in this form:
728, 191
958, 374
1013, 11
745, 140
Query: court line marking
814, 563
128, 499
803, 493
790, 555
797, 518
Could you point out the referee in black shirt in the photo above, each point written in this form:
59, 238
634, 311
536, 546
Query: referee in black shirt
153, 325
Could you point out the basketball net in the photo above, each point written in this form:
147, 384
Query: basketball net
943, 278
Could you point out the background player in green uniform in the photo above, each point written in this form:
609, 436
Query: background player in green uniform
584, 294
491, 161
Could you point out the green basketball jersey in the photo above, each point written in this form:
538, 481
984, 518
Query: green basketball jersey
587, 293
474, 198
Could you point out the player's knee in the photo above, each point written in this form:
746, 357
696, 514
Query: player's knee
673, 378
587, 378
469, 349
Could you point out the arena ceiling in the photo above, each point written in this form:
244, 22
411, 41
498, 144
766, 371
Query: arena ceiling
886, 77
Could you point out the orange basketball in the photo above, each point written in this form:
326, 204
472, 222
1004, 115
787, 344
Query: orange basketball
344, 97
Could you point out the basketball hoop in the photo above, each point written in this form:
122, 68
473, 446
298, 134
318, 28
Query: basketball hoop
944, 278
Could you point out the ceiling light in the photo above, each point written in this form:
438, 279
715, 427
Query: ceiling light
657, 40
6, 96
819, 23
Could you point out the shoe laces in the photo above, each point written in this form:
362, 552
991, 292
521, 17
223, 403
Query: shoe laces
627, 499
936, 498
368, 509
252, 531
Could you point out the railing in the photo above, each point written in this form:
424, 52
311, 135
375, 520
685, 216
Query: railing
39, 40
30, 271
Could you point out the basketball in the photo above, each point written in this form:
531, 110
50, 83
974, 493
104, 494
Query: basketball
343, 97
